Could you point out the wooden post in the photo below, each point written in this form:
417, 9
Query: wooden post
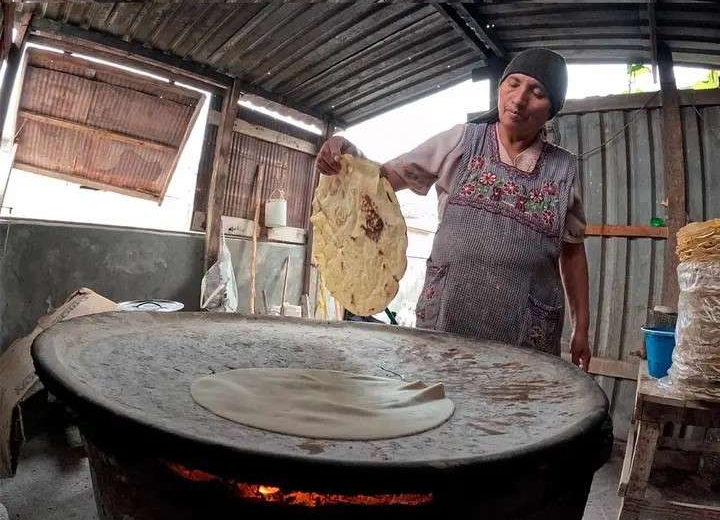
285, 286
6, 39
259, 181
493, 86
674, 167
496, 67
307, 267
219, 176
12, 52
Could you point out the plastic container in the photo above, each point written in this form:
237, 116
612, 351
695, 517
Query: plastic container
657, 222
151, 305
276, 210
659, 345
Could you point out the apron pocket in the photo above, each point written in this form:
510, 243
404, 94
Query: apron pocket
428, 306
544, 326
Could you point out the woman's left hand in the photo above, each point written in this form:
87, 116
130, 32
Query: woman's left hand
580, 351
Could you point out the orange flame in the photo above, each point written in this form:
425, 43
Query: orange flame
194, 475
273, 494
268, 490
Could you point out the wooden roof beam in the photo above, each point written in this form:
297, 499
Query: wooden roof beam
472, 30
482, 29
6, 39
478, 33
652, 25
94, 131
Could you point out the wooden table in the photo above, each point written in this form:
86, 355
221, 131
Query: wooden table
681, 495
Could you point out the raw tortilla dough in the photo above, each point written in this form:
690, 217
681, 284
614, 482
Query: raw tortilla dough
360, 236
323, 404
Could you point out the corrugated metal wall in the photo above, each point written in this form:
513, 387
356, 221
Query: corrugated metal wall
623, 183
285, 168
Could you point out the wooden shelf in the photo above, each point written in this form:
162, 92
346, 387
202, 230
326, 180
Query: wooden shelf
660, 476
608, 230
679, 495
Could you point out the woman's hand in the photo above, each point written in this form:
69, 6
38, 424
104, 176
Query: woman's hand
328, 158
580, 351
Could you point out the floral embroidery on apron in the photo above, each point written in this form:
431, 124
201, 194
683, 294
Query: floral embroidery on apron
493, 272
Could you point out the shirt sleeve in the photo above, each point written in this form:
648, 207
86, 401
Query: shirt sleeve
433, 161
575, 222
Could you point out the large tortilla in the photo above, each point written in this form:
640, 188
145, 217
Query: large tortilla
360, 237
323, 404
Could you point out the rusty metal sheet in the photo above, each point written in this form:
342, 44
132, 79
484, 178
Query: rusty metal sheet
91, 123
285, 168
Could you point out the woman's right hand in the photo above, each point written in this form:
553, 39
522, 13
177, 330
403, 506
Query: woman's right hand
328, 158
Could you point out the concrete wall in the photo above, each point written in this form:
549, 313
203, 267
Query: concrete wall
41, 263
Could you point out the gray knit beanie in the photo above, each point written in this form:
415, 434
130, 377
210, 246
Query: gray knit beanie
546, 66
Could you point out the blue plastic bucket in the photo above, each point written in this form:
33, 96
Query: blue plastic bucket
659, 345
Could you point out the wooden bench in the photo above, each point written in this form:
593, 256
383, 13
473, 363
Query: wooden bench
676, 491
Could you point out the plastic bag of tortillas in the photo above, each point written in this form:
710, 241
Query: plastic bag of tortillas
696, 359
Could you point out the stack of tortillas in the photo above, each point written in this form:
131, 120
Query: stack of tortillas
696, 358
360, 236
699, 241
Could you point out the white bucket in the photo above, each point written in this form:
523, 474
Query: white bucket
275, 213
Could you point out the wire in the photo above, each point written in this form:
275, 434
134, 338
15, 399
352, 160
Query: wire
712, 130
622, 130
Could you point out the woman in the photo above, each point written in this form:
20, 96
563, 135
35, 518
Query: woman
511, 230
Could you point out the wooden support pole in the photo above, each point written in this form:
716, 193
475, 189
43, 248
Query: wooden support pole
307, 267
496, 67
285, 286
6, 39
493, 86
674, 167
646, 442
652, 25
14, 59
219, 176
13, 54
259, 182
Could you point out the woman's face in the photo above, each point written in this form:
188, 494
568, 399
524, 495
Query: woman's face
523, 104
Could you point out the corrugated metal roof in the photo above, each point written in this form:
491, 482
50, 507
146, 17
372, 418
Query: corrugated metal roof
354, 60
99, 126
351, 60
614, 32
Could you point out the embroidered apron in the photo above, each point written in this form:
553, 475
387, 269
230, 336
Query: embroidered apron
494, 268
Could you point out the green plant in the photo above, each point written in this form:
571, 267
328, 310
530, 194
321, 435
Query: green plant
712, 81
633, 71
